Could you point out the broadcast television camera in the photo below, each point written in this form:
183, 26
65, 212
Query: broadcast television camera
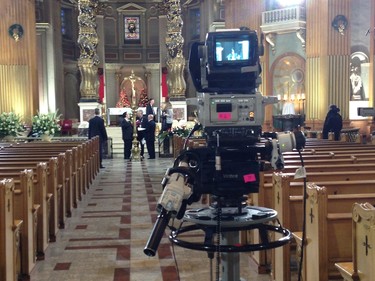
225, 70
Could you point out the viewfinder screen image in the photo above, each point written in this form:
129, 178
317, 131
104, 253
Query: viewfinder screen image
224, 107
227, 50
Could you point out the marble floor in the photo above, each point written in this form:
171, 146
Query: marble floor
105, 237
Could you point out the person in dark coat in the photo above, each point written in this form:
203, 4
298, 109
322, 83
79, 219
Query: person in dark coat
127, 134
97, 128
150, 108
141, 128
150, 136
333, 122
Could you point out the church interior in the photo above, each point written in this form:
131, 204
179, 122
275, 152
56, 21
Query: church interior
248, 165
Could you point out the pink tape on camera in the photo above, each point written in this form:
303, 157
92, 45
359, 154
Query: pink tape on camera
224, 116
249, 178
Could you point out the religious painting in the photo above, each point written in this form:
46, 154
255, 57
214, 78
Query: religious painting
359, 83
358, 76
132, 29
359, 64
88, 114
179, 110
289, 85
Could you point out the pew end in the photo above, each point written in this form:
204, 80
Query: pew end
363, 258
10, 232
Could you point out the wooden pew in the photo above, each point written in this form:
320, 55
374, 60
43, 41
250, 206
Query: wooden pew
73, 183
43, 199
26, 210
331, 155
328, 231
72, 167
315, 173
361, 267
89, 147
332, 161
52, 188
86, 161
27, 261
10, 228
316, 151
290, 208
40, 156
61, 182
347, 135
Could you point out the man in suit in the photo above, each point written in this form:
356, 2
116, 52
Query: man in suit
150, 108
141, 128
127, 134
97, 128
150, 136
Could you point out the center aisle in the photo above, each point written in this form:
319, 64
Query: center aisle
105, 237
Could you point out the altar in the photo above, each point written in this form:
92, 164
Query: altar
288, 122
118, 111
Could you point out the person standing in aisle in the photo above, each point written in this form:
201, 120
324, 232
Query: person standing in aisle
97, 128
127, 134
333, 122
150, 136
141, 128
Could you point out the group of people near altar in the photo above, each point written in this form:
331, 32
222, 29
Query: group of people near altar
145, 128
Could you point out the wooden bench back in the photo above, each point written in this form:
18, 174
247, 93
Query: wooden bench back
8, 254
364, 240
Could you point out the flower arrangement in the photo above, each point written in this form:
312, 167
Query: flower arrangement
46, 124
181, 129
10, 124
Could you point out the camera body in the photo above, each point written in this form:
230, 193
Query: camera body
238, 118
225, 70
227, 62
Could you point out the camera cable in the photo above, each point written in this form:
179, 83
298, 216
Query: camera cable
218, 240
173, 250
303, 220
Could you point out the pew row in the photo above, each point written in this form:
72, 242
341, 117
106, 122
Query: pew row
43, 199
89, 151
66, 176
316, 150
326, 217
10, 228
49, 201
25, 210
315, 173
57, 187
361, 267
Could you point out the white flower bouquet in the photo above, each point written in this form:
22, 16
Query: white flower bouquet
10, 124
46, 124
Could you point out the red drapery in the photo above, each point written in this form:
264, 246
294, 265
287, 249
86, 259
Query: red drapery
164, 86
101, 88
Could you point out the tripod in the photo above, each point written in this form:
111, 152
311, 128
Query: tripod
232, 222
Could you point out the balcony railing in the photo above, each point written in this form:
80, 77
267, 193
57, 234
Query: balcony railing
288, 19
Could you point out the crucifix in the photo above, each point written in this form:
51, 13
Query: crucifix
367, 245
311, 215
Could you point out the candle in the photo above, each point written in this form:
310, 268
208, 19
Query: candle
279, 97
303, 97
292, 97
285, 97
